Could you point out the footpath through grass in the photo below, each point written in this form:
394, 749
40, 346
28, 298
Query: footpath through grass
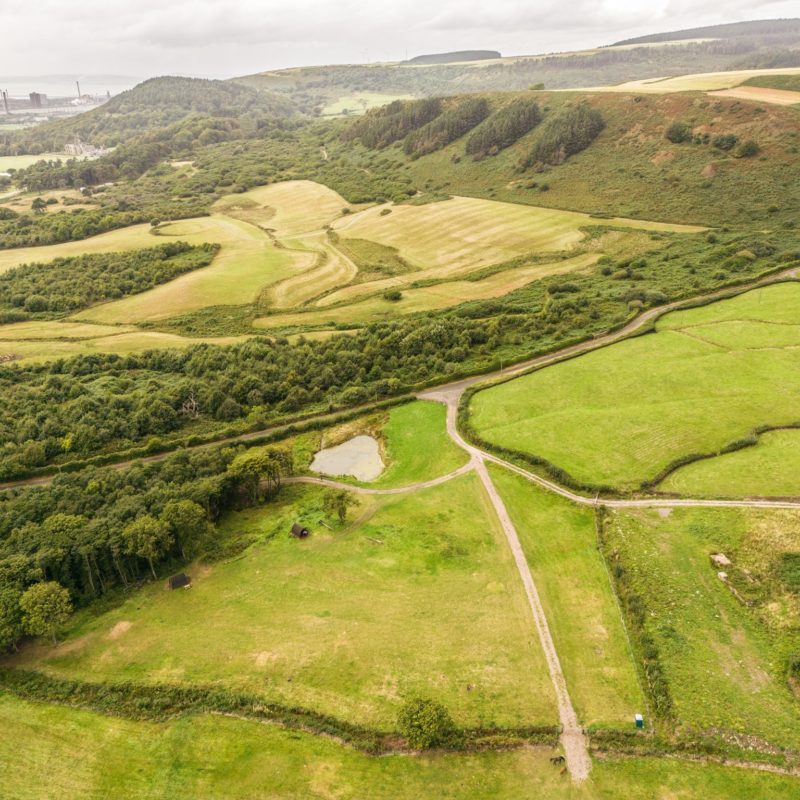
560, 544
620, 415
56, 752
418, 596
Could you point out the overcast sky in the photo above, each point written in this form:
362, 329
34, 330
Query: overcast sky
222, 38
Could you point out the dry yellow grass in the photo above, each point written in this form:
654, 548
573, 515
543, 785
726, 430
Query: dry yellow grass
334, 269
289, 208
123, 340
780, 97
699, 82
21, 203
464, 233
428, 298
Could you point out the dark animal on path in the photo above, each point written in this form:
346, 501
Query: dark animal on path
556, 760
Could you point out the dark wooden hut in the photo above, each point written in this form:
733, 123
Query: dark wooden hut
299, 532
178, 581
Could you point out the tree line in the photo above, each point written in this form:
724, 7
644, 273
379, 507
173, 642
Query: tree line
504, 127
447, 127
565, 133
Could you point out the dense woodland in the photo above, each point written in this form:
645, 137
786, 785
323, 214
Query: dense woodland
504, 127
68, 284
154, 104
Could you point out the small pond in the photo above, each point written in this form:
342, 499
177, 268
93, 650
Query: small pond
359, 457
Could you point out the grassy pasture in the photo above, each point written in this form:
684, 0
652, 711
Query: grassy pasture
560, 543
619, 415
57, 752
359, 102
338, 622
417, 445
289, 208
723, 668
771, 468
22, 203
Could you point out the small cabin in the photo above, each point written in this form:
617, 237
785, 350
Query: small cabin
179, 581
299, 532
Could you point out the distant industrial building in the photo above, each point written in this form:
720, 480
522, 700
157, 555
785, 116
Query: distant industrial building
38, 99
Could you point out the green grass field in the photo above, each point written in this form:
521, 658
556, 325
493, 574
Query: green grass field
723, 666
621, 414
560, 543
417, 445
340, 622
771, 468
21, 162
52, 752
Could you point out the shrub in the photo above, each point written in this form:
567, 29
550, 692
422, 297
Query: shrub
678, 132
725, 141
425, 723
747, 149
393, 295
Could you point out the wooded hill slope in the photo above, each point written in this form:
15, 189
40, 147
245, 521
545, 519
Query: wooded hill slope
152, 105
751, 45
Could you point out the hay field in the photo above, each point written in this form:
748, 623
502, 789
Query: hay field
428, 298
247, 262
338, 623
288, 208
761, 94
464, 233
620, 415
333, 268
698, 82
44, 341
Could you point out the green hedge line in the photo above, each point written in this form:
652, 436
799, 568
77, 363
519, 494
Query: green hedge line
160, 702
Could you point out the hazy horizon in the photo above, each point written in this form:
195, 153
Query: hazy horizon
209, 38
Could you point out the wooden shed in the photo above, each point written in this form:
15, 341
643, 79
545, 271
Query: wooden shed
181, 580
299, 532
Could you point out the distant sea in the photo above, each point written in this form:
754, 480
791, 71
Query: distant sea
64, 85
